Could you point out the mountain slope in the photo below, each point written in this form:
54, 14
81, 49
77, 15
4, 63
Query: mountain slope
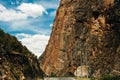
85, 32
16, 61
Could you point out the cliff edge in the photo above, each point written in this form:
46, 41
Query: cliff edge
84, 33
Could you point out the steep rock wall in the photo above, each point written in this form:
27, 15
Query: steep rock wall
85, 32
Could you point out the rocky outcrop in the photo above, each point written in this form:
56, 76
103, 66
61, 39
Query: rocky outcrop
82, 71
85, 32
16, 62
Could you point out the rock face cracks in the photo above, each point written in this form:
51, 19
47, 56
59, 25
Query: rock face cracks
85, 32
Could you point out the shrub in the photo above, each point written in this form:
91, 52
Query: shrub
109, 77
92, 78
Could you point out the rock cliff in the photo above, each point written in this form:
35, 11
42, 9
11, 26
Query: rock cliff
85, 32
16, 61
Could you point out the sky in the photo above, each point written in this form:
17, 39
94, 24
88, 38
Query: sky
29, 20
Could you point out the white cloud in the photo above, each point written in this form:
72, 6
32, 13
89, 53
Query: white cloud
35, 43
51, 25
25, 26
49, 4
2, 8
24, 11
20, 25
10, 14
53, 13
33, 10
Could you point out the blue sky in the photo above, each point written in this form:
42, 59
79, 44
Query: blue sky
29, 20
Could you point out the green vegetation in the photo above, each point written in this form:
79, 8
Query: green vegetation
107, 77
92, 78
10, 43
17, 76
19, 60
110, 77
